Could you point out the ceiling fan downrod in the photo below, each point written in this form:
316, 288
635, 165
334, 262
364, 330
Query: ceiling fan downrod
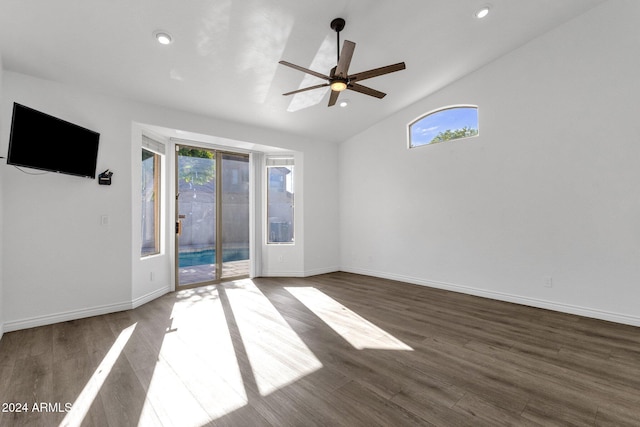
338, 25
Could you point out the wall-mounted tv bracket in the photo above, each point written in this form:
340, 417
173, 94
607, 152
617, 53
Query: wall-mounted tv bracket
105, 177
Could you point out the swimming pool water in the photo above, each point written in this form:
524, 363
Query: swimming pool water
208, 256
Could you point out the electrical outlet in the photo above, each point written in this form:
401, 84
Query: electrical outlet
151, 276
548, 282
280, 258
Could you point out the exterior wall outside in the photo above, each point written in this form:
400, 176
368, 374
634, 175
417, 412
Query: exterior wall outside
199, 224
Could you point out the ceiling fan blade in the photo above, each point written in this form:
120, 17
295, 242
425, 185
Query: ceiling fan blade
378, 72
304, 70
333, 98
345, 59
366, 90
306, 89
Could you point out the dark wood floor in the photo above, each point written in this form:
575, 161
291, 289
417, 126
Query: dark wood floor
335, 349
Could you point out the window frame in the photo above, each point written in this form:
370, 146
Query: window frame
274, 163
157, 204
437, 111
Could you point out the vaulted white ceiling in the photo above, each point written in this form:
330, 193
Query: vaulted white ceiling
223, 61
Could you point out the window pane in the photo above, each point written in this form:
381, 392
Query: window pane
235, 215
150, 203
280, 204
444, 125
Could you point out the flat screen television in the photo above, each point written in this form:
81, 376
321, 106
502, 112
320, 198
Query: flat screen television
44, 142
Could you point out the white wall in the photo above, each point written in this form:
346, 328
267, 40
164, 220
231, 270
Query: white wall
316, 218
288, 259
60, 261
548, 189
321, 179
1, 209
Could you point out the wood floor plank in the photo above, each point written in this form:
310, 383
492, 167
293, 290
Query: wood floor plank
617, 415
31, 383
370, 409
484, 413
559, 412
66, 336
251, 352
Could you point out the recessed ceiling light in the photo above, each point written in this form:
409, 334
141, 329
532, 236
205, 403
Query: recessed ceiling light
163, 37
483, 12
344, 103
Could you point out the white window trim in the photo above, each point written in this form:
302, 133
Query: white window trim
276, 161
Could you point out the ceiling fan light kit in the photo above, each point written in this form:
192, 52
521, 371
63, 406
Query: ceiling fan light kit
338, 85
339, 78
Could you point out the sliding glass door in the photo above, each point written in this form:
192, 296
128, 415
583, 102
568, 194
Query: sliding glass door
234, 214
212, 211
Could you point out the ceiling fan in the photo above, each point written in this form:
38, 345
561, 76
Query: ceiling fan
339, 78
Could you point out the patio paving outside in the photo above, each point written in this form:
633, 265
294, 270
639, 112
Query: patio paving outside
206, 272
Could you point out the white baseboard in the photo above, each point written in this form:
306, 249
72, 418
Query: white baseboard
276, 273
50, 319
317, 271
500, 296
150, 297
304, 273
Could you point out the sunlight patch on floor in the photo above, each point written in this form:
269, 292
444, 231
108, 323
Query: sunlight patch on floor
88, 394
171, 400
355, 329
197, 351
277, 355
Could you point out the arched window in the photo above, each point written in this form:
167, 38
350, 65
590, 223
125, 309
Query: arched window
444, 124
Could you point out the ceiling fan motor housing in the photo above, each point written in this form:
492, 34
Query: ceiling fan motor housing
338, 24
